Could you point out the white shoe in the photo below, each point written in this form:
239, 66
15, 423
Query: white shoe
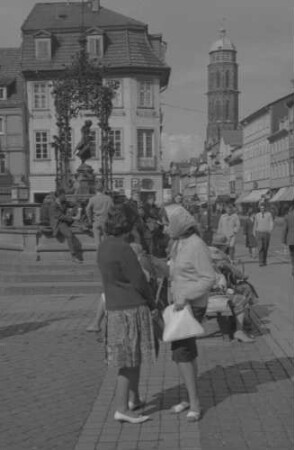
125, 418
242, 337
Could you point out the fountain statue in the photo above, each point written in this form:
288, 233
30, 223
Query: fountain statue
84, 178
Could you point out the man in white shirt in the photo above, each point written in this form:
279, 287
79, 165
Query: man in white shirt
228, 226
97, 210
263, 226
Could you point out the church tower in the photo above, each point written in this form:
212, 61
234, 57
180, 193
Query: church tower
223, 94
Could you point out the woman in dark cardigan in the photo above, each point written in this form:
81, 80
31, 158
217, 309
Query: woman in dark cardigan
129, 299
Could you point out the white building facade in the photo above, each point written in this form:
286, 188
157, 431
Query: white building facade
132, 57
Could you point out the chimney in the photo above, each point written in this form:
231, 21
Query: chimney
95, 5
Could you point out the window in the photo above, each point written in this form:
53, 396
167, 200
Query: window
118, 183
2, 163
94, 136
227, 78
3, 93
115, 138
145, 143
40, 95
2, 125
211, 80
116, 85
70, 142
227, 111
146, 94
227, 56
43, 48
42, 145
218, 110
95, 46
218, 79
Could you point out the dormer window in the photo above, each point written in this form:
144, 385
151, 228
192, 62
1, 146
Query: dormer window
3, 93
43, 49
43, 45
95, 46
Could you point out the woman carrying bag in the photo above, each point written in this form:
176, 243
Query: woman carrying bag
192, 276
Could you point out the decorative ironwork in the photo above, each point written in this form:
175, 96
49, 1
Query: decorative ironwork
80, 87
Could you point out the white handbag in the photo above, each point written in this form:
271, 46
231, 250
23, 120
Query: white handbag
180, 325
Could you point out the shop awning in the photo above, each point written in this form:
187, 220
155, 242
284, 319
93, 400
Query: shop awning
223, 198
288, 196
278, 195
255, 196
241, 198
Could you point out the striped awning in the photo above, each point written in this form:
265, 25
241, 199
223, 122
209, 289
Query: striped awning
278, 195
288, 196
241, 198
255, 196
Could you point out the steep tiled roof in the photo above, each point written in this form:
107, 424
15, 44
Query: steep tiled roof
126, 41
10, 72
73, 15
232, 137
123, 48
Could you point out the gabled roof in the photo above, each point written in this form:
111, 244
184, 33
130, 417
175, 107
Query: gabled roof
232, 137
56, 16
10, 71
264, 109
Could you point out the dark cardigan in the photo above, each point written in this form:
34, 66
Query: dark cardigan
124, 282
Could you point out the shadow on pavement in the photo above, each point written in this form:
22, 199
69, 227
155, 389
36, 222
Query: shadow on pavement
218, 384
264, 311
18, 329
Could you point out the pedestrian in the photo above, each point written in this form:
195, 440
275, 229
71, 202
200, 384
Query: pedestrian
263, 226
129, 300
179, 199
250, 240
61, 221
191, 276
288, 234
153, 222
228, 226
97, 210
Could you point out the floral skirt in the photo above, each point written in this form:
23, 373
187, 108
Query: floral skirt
129, 337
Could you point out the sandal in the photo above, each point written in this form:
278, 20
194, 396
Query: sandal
176, 409
194, 416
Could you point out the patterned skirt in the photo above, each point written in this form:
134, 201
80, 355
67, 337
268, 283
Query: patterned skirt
129, 337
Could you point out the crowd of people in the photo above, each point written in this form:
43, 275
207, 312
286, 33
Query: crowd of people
139, 244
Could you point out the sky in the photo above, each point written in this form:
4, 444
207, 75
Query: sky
262, 31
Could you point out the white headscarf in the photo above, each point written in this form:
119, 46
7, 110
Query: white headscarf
180, 221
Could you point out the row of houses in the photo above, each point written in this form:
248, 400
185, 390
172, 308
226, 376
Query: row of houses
253, 162
132, 57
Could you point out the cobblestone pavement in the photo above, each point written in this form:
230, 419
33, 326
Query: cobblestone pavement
56, 394
51, 370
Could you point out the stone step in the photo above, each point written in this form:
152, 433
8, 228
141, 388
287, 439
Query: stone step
49, 288
49, 277
45, 267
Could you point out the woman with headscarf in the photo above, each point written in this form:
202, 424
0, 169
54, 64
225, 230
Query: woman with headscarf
192, 276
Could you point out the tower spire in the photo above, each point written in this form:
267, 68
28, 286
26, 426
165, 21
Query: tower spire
222, 30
